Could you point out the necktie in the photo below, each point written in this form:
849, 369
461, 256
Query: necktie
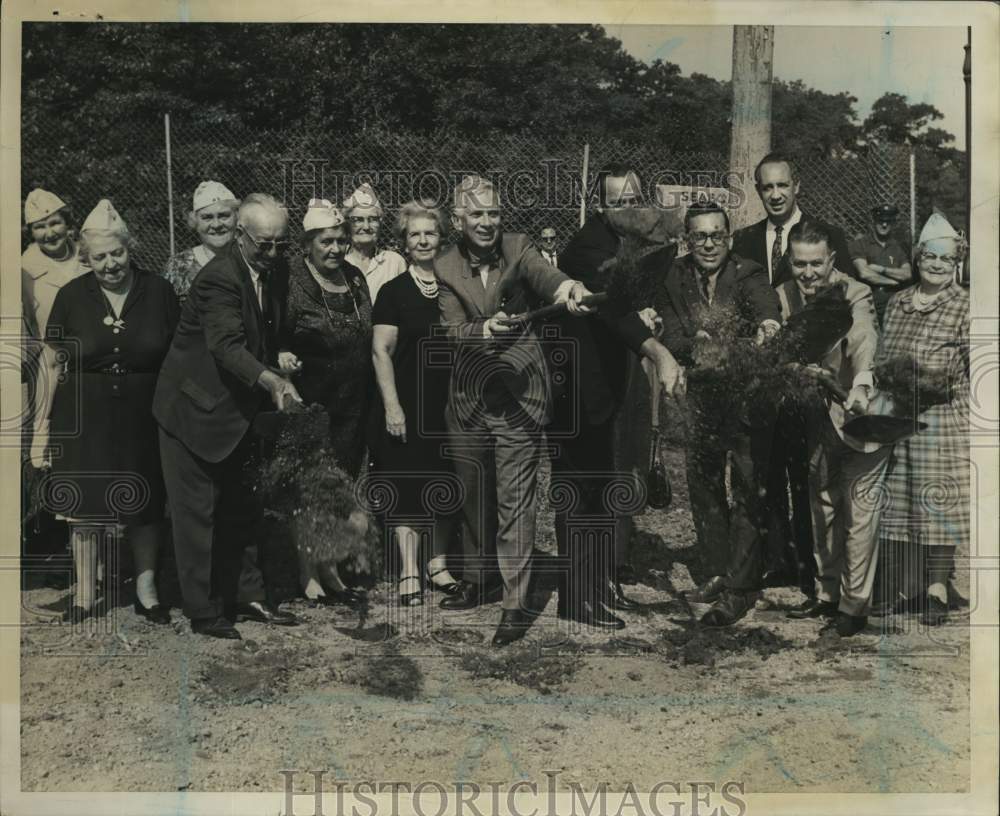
703, 279
776, 252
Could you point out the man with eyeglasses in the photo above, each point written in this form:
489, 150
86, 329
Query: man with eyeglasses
880, 259
217, 376
363, 212
700, 287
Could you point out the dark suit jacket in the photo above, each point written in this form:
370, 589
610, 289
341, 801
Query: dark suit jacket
741, 283
597, 377
206, 395
751, 243
524, 280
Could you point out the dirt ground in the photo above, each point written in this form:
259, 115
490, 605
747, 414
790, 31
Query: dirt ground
393, 695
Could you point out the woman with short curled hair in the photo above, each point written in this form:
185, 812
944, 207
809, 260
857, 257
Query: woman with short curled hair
213, 214
414, 392
364, 213
112, 328
926, 344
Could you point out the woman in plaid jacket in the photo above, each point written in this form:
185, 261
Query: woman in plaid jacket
926, 332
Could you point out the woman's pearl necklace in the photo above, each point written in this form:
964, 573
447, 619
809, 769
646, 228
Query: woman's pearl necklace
429, 289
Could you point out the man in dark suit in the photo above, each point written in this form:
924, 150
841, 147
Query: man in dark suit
789, 550
216, 377
698, 286
596, 383
499, 399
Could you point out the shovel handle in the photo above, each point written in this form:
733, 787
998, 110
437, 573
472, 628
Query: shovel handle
595, 299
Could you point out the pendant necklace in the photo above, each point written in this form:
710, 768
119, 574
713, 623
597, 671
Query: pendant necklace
116, 323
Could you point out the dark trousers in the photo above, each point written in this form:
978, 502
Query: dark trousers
730, 541
790, 543
216, 523
586, 522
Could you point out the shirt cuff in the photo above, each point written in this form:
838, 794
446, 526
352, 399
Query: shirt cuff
562, 290
774, 324
863, 378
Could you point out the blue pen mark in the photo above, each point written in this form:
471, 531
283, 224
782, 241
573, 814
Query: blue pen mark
664, 50
183, 11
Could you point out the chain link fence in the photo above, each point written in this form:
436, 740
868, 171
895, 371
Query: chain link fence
540, 179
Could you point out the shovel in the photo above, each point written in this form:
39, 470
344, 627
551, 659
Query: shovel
658, 492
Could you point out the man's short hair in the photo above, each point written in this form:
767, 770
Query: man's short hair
255, 200
704, 208
776, 158
615, 169
810, 232
475, 186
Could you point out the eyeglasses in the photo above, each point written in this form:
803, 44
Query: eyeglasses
946, 260
701, 238
277, 247
360, 220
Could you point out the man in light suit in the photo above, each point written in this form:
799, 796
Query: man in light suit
216, 377
789, 548
845, 474
499, 399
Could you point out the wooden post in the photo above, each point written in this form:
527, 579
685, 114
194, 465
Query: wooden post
913, 197
753, 52
966, 276
583, 184
170, 182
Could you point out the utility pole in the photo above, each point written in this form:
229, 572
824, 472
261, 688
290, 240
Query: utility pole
753, 54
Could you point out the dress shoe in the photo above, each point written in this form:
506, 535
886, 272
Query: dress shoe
154, 614
596, 616
729, 608
935, 612
513, 626
617, 599
470, 595
847, 625
813, 608
219, 627
263, 612
345, 597
708, 591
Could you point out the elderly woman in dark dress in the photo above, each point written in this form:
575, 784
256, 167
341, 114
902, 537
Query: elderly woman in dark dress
116, 324
327, 341
413, 398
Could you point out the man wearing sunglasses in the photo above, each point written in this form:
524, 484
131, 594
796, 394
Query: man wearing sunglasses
220, 371
700, 287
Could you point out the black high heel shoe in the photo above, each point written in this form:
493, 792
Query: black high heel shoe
446, 589
154, 614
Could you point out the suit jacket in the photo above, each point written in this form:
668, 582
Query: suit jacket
207, 393
741, 283
523, 280
604, 341
751, 243
854, 355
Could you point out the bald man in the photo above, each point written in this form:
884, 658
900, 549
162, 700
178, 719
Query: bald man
220, 371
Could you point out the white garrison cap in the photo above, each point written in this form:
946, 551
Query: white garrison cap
41, 204
321, 214
937, 226
104, 218
211, 192
364, 196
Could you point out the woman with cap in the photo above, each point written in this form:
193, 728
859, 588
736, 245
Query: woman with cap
927, 486
413, 399
327, 340
52, 259
363, 212
213, 218
115, 327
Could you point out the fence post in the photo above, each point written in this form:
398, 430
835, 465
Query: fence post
913, 196
583, 184
170, 182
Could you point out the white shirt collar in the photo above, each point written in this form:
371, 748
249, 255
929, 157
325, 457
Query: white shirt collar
793, 219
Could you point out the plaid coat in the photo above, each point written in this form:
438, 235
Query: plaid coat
927, 484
